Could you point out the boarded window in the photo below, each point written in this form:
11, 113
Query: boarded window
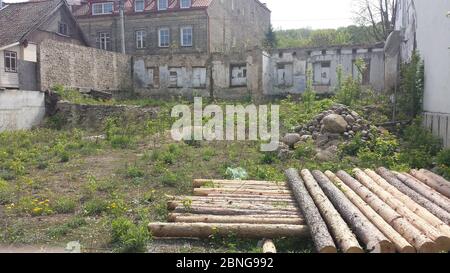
199, 77
151, 76
239, 75
322, 73
364, 74
285, 75
175, 77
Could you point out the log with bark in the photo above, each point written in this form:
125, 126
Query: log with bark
367, 232
424, 190
401, 245
342, 233
202, 230
428, 178
441, 239
319, 232
414, 236
247, 219
437, 211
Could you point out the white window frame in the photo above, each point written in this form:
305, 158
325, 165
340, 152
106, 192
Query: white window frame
103, 12
187, 4
182, 36
106, 36
140, 38
12, 56
136, 6
159, 37
162, 7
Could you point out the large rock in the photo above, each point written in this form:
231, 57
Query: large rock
335, 124
291, 139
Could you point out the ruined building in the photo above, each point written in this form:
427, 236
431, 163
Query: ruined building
159, 27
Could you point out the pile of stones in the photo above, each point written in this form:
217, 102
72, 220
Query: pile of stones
327, 130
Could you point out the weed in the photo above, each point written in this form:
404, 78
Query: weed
129, 237
95, 207
64, 205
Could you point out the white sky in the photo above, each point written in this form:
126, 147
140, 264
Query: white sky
316, 14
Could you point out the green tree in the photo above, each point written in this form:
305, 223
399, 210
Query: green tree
270, 40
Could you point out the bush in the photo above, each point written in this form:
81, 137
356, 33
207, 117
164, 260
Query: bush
134, 172
95, 207
305, 150
64, 205
169, 179
443, 160
128, 237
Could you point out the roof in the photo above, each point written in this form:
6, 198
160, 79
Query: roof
331, 47
20, 19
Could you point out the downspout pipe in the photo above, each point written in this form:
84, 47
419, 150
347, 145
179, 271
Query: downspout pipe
122, 26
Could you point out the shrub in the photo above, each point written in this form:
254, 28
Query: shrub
135, 172
304, 150
128, 237
169, 179
269, 158
443, 160
64, 205
95, 206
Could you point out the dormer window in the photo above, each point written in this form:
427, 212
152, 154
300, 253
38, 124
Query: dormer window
185, 4
163, 4
102, 8
139, 5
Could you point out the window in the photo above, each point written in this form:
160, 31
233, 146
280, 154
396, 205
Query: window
185, 4
186, 36
322, 73
104, 41
363, 73
10, 61
175, 77
163, 4
164, 37
285, 74
140, 38
102, 8
139, 5
63, 29
151, 76
239, 75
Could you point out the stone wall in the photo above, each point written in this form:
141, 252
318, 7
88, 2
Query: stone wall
82, 67
20, 110
95, 116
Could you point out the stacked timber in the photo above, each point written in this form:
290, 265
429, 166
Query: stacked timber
249, 209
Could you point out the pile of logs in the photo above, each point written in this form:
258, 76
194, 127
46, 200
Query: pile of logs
375, 211
378, 211
246, 209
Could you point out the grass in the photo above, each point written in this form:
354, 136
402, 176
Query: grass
104, 192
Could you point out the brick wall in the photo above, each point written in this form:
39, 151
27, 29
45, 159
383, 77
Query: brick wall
82, 67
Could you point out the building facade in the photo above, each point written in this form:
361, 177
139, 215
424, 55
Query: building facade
161, 27
425, 26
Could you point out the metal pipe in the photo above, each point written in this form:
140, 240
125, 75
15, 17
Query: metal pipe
122, 26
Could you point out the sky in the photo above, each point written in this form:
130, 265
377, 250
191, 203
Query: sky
316, 14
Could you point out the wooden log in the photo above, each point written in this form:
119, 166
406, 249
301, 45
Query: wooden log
343, 235
268, 247
424, 190
247, 219
262, 199
319, 232
171, 205
279, 197
408, 202
230, 211
246, 187
201, 230
436, 177
401, 245
440, 186
202, 182
367, 232
442, 241
420, 241
437, 211
207, 191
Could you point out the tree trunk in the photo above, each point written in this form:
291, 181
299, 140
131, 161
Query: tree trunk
247, 219
433, 180
400, 243
437, 211
268, 247
374, 240
207, 191
442, 241
413, 235
443, 188
230, 211
345, 238
321, 237
425, 190
201, 230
